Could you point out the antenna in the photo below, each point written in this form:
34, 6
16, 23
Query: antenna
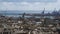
5, 11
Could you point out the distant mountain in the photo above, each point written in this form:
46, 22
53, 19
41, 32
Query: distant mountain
22, 11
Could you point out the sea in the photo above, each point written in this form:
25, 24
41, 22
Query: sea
28, 16
19, 13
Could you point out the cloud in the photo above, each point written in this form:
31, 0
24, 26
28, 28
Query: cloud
28, 0
29, 6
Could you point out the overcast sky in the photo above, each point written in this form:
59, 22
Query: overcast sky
29, 4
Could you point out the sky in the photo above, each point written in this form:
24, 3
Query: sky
29, 4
